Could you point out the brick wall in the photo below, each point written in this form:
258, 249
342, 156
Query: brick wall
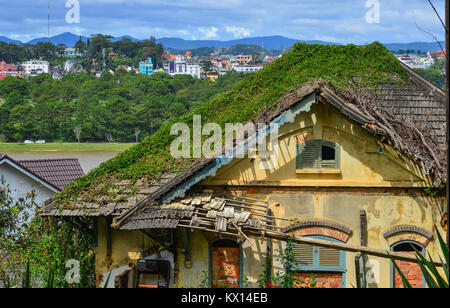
324, 280
411, 271
225, 267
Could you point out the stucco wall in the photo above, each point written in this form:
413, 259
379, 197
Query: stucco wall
374, 178
21, 184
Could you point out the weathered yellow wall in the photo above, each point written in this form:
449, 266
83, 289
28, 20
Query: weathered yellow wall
361, 165
389, 187
127, 247
192, 277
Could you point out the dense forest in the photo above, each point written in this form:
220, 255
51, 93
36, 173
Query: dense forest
124, 107
130, 52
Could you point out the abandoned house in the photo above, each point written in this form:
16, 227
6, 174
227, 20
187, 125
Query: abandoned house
361, 162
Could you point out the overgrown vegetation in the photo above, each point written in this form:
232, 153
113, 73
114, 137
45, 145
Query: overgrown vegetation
289, 277
34, 250
338, 65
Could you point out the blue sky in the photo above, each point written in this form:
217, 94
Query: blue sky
341, 21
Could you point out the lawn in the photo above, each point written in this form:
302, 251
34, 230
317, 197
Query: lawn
58, 147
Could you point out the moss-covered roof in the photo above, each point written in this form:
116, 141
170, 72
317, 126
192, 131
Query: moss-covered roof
372, 65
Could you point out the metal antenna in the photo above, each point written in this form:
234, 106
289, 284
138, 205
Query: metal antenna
49, 21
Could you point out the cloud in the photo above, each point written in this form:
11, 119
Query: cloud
183, 32
239, 32
226, 20
208, 32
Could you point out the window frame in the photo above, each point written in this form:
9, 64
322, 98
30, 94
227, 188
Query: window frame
210, 261
319, 163
316, 267
424, 253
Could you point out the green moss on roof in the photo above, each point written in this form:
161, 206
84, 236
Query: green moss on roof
371, 64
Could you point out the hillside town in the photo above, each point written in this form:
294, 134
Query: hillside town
201, 67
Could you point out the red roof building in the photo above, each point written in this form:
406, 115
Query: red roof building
439, 54
8, 70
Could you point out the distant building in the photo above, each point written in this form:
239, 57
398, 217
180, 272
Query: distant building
244, 59
9, 70
36, 67
146, 68
72, 66
180, 66
72, 53
57, 73
248, 68
439, 54
125, 67
212, 75
194, 70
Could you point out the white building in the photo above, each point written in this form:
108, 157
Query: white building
248, 68
35, 67
181, 67
194, 70
44, 177
72, 52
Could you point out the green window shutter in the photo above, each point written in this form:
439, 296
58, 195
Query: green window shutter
318, 154
308, 155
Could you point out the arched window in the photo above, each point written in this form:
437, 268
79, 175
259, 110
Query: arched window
412, 271
225, 263
328, 265
318, 154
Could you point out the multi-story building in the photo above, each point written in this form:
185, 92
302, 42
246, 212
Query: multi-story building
180, 66
244, 59
194, 70
146, 68
35, 67
9, 70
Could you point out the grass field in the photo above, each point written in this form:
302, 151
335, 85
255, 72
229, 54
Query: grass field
60, 147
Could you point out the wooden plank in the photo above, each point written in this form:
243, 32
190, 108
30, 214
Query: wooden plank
349, 248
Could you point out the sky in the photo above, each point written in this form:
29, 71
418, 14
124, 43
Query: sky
339, 21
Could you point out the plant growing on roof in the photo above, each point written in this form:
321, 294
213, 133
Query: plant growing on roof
336, 64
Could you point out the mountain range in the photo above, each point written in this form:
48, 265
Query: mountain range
269, 42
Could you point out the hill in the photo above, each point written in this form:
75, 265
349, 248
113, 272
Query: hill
422, 46
9, 41
269, 42
68, 39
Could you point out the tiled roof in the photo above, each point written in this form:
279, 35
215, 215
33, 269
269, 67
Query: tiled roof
57, 172
101, 205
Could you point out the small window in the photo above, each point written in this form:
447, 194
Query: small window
318, 154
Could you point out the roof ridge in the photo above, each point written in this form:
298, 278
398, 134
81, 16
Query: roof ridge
421, 81
50, 159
